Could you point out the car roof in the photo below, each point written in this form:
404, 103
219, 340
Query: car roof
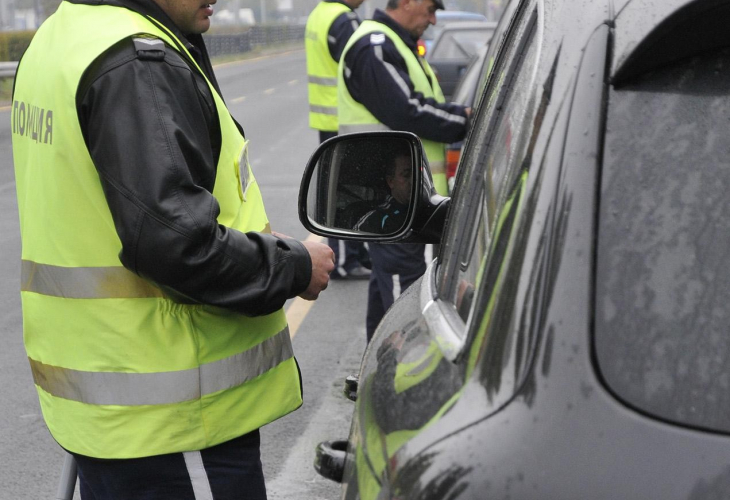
447, 15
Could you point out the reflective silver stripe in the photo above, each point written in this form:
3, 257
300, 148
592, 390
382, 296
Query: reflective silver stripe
198, 475
325, 110
84, 282
321, 80
421, 108
133, 389
369, 127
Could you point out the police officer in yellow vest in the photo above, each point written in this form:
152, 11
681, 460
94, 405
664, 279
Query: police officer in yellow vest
152, 285
329, 27
383, 84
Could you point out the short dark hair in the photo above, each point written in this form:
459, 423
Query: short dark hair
392, 4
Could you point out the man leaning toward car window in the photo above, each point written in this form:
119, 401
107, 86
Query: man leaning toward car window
384, 84
152, 284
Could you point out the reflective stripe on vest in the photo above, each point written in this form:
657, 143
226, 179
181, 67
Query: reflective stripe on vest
354, 117
122, 370
159, 388
321, 67
84, 282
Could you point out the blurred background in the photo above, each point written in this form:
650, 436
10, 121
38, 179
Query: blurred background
29, 14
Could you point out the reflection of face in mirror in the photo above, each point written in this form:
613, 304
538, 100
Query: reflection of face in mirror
390, 215
398, 176
356, 177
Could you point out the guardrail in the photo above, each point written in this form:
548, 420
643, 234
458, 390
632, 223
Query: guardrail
256, 36
222, 44
7, 68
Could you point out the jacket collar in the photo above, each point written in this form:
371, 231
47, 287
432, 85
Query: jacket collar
383, 18
149, 8
338, 1
194, 43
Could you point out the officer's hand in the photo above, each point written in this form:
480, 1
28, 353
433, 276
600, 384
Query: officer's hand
323, 262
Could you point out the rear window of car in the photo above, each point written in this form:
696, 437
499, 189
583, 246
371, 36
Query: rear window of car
662, 324
460, 44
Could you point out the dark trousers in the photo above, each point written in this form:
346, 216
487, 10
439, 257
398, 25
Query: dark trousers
228, 471
355, 252
404, 263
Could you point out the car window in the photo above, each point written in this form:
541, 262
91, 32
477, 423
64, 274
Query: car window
459, 44
491, 161
663, 266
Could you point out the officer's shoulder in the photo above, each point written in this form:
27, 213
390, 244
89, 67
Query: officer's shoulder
149, 48
376, 38
131, 49
373, 39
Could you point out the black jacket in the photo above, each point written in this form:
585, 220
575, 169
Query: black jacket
341, 30
151, 126
377, 77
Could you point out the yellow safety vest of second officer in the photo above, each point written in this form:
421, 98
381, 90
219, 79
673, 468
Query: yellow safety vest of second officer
121, 370
321, 67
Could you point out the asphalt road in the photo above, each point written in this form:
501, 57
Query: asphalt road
268, 97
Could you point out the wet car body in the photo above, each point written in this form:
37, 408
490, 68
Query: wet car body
527, 363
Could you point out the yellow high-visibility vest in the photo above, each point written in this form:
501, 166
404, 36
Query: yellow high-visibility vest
354, 117
121, 369
321, 67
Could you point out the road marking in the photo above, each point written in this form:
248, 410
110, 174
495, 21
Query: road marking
299, 308
238, 99
269, 91
293, 82
243, 61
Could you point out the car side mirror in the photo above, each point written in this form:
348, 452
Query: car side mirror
371, 186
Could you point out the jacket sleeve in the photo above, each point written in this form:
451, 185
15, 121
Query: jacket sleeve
340, 32
377, 76
152, 130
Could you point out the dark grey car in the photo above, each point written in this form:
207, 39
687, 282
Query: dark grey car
454, 48
570, 341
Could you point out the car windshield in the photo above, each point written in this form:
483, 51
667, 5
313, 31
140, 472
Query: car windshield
663, 265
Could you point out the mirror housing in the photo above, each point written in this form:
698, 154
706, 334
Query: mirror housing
372, 186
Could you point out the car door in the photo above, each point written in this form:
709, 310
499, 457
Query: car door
427, 346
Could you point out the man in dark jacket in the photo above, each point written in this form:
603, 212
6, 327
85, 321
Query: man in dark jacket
384, 84
153, 286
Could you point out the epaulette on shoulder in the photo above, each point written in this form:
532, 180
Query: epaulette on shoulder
377, 38
149, 49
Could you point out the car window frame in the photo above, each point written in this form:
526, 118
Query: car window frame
440, 311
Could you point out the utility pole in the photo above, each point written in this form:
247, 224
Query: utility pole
263, 11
